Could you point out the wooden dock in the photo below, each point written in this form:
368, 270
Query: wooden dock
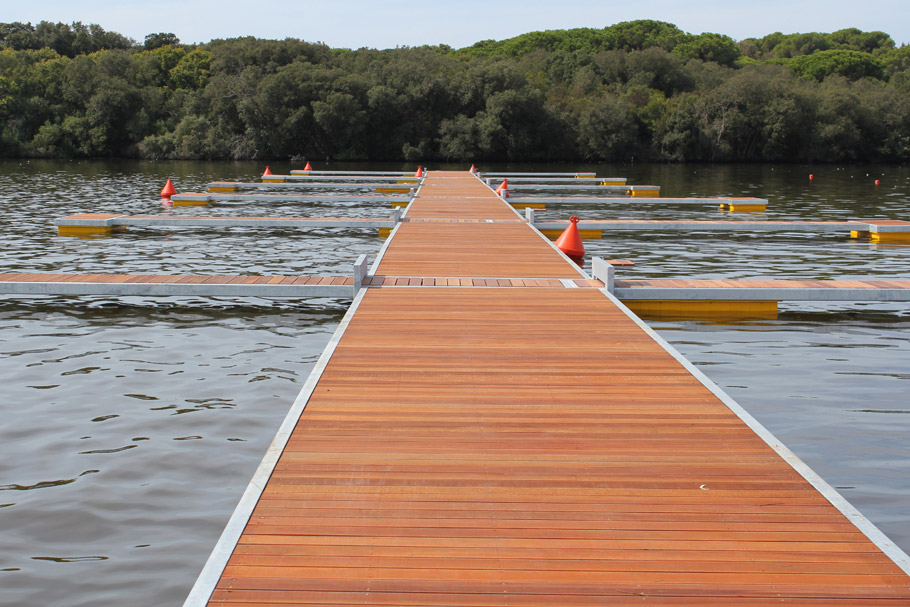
83, 224
486, 446
206, 198
101, 224
234, 186
584, 184
749, 205
699, 225
168, 285
650, 298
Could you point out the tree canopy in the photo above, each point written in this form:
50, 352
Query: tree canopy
642, 90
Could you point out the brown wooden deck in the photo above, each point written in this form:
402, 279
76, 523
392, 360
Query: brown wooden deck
187, 279
667, 283
493, 446
462, 276
472, 249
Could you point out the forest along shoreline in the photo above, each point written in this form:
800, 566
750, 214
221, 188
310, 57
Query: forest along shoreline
634, 91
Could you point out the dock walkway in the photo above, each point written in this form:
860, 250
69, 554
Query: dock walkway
527, 446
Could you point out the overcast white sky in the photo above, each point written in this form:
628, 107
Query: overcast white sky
390, 23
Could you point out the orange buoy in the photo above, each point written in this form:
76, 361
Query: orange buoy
473, 169
267, 171
307, 167
168, 190
811, 176
419, 172
503, 189
569, 242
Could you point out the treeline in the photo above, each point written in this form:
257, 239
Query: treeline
640, 90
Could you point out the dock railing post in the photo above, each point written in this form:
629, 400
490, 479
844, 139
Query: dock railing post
529, 215
603, 272
360, 272
396, 214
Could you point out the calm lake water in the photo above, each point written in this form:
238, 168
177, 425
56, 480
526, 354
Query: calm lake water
130, 426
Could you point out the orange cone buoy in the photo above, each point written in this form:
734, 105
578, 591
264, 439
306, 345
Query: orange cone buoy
472, 170
419, 172
503, 189
168, 190
307, 167
877, 183
267, 171
569, 242
811, 176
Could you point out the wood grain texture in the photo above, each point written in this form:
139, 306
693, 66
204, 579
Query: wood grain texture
764, 284
534, 447
502, 250
528, 446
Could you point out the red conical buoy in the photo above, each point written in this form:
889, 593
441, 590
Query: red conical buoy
877, 183
267, 171
503, 189
811, 176
419, 172
168, 190
473, 169
307, 167
569, 242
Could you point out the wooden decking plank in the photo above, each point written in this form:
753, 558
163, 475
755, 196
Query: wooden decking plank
527, 481
257, 598
493, 444
604, 590
601, 556
686, 562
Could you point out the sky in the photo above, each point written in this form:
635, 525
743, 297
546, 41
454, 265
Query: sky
391, 23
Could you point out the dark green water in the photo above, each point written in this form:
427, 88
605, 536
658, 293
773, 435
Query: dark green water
130, 426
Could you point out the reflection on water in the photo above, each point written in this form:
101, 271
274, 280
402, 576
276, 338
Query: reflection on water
132, 425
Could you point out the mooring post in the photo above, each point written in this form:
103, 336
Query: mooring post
529, 215
360, 272
603, 272
396, 214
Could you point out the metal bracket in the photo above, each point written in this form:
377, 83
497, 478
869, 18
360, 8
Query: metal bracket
360, 272
603, 271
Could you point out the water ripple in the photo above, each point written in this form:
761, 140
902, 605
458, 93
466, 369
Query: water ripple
830, 380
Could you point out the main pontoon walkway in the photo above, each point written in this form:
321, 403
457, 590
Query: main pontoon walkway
514, 446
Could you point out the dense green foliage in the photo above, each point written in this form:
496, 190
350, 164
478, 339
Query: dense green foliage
642, 90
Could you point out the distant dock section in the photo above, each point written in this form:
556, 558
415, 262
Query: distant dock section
235, 186
206, 198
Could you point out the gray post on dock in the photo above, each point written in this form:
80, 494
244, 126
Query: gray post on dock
360, 272
529, 215
603, 271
